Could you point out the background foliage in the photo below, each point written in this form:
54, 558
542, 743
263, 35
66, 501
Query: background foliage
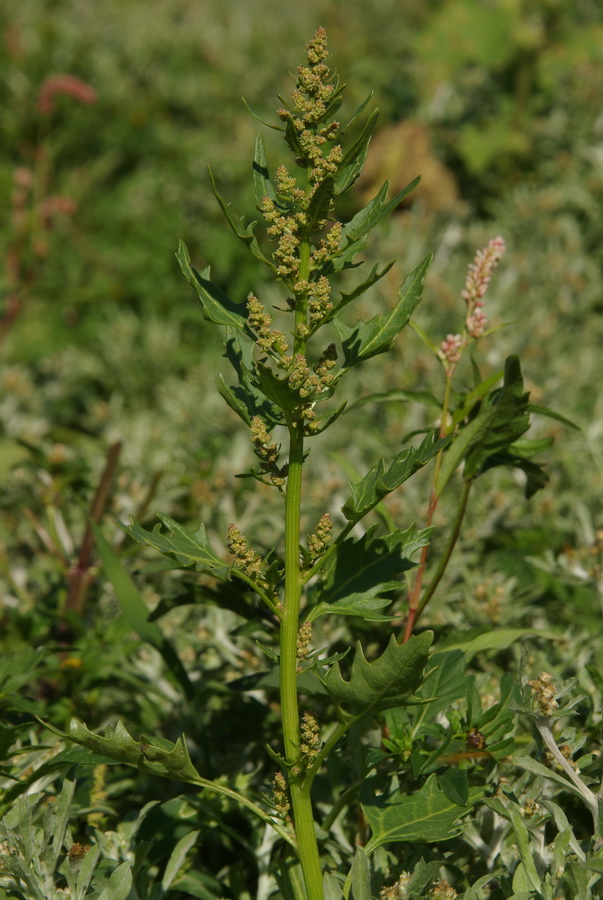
103, 342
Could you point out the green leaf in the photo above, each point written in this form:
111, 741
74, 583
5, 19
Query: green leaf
354, 158
187, 547
262, 185
375, 275
381, 684
455, 784
360, 876
551, 414
361, 571
397, 395
368, 339
217, 306
320, 204
119, 884
472, 892
245, 399
526, 876
156, 755
378, 482
488, 438
378, 208
506, 418
331, 888
136, 613
174, 758
364, 606
473, 641
427, 815
243, 232
178, 858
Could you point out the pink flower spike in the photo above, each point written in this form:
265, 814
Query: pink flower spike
64, 84
476, 285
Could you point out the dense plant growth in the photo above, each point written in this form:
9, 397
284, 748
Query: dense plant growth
408, 763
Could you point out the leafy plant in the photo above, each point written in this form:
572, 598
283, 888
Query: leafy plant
338, 785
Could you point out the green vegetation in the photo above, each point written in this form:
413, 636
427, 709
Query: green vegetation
371, 665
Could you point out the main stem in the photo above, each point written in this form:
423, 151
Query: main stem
299, 786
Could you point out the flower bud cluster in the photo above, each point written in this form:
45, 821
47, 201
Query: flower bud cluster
304, 638
286, 185
328, 245
246, 559
316, 380
530, 808
319, 300
286, 229
310, 738
268, 339
64, 84
450, 351
543, 693
280, 797
320, 540
310, 100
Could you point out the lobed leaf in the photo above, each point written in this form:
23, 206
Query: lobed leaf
245, 398
381, 684
156, 755
379, 482
187, 547
361, 571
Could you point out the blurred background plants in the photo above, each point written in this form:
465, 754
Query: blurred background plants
102, 343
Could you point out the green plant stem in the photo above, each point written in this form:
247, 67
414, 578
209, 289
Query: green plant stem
445, 557
301, 802
414, 604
